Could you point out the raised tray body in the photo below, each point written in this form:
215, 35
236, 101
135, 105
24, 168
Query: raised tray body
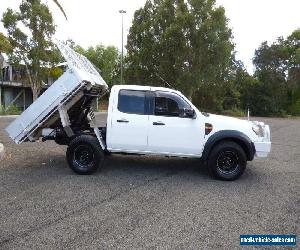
81, 75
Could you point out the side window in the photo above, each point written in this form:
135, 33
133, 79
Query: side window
132, 101
166, 107
169, 104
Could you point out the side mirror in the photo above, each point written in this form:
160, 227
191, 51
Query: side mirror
188, 113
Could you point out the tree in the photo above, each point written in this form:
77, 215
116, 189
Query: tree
60, 7
31, 43
292, 45
250, 92
278, 70
106, 59
187, 43
5, 45
271, 72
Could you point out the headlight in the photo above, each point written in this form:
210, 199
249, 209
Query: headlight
258, 130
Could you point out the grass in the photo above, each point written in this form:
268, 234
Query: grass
10, 110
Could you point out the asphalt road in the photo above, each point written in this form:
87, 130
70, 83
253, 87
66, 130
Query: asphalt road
143, 202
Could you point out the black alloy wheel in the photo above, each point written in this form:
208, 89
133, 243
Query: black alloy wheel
84, 154
227, 161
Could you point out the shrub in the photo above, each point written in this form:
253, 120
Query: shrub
234, 112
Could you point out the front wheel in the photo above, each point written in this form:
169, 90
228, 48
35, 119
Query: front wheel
84, 154
227, 161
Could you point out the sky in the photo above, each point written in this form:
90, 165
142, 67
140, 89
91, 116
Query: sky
93, 22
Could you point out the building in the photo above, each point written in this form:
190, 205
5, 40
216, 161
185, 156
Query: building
14, 85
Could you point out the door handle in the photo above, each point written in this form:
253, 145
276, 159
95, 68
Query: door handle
123, 120
158, 123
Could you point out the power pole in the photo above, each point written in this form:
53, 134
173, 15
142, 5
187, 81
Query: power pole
122, 12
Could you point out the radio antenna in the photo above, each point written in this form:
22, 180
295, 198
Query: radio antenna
168, 84
248, 114
164, 81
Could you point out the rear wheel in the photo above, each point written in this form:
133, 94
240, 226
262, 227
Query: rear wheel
227, 161
84, 154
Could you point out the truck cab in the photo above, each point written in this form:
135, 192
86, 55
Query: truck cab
153, 120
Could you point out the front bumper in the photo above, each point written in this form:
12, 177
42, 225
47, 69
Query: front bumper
263, 147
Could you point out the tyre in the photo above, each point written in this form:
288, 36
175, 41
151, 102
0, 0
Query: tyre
227, 161
84, 154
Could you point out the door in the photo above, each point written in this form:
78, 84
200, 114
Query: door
128, 122
170, 132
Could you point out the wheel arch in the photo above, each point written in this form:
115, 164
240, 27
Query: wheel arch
229, 135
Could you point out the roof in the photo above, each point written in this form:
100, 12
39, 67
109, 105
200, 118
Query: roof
141, 87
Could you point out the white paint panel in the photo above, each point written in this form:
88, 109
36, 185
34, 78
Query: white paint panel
177, 135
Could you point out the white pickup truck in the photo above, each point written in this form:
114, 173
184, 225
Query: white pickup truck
141, 120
